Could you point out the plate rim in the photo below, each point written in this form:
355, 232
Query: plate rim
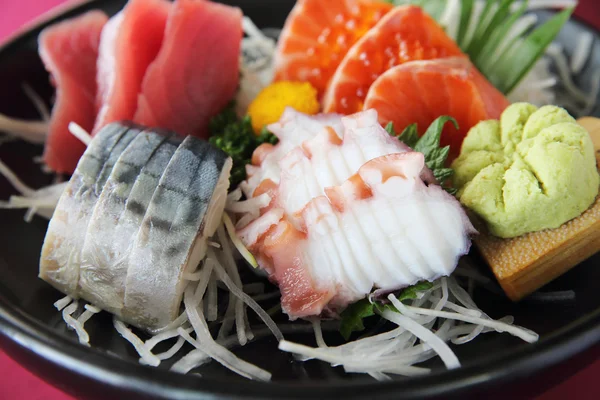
30, 336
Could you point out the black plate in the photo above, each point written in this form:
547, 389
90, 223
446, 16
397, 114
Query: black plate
32, 331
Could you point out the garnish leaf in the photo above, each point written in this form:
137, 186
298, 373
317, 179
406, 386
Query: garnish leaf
429, 145
235, 137
409, 135
354, 314
466, 10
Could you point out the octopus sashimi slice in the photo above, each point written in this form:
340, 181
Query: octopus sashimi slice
383, 228
61, 251
184, 211
112, 227
292, 129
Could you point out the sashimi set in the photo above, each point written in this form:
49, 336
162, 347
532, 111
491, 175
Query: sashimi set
351, 162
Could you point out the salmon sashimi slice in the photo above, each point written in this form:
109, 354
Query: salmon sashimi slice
420, 91
404, 34
69, 50
130, 42
317, 34
340, 221
196, 72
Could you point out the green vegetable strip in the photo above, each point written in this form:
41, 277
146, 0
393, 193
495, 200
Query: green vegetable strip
497, 19
519, 59
486, 59
466, 10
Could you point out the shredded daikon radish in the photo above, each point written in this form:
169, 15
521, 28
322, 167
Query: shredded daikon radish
244, 252
37, 101
14, 180
316, 323
581, 52
147, 357
29, 131
212, 311
209, 346
232, 271
80, 133
251, 205
62, 303
248, 300
74, 324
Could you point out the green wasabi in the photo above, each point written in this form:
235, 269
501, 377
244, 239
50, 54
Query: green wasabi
533, 169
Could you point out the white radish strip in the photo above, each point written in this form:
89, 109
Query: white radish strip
437, 344
565, 75
14, 180
237, 242
522, 333
234, 195
245, 220
37, 101
173, 350
595, 89
62, 303
251, 205
147, 356
212, 348
316, 323
581, 52
232, 271
191, 360
212, 311
80, 133
84, 317
74, 324
161, 337
92, 308
30, 131
251, 303
227, 323
177, 322
214, 244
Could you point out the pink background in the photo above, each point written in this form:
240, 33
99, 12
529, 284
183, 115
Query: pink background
17, 383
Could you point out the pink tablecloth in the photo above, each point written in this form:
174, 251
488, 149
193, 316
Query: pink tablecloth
17, 383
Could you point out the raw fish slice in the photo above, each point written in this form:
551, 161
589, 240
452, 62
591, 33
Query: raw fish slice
60, 259
292, 129
404, 34
185, 210
69, 50
110, 231
420, 91
332, 261
130, 42
196, 72
317, 34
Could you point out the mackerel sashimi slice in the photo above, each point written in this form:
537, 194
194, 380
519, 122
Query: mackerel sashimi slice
130, 42
404, 34
317, 34
61, 251
117, 218
69, 50
421, 91
353, 211
196, 72
184, 211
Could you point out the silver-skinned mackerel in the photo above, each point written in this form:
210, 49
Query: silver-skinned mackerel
61, 252
185, 210
114, 223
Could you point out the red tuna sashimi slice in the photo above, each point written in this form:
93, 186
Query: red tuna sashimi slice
130, 42
196, 72
69, 51
420, 91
